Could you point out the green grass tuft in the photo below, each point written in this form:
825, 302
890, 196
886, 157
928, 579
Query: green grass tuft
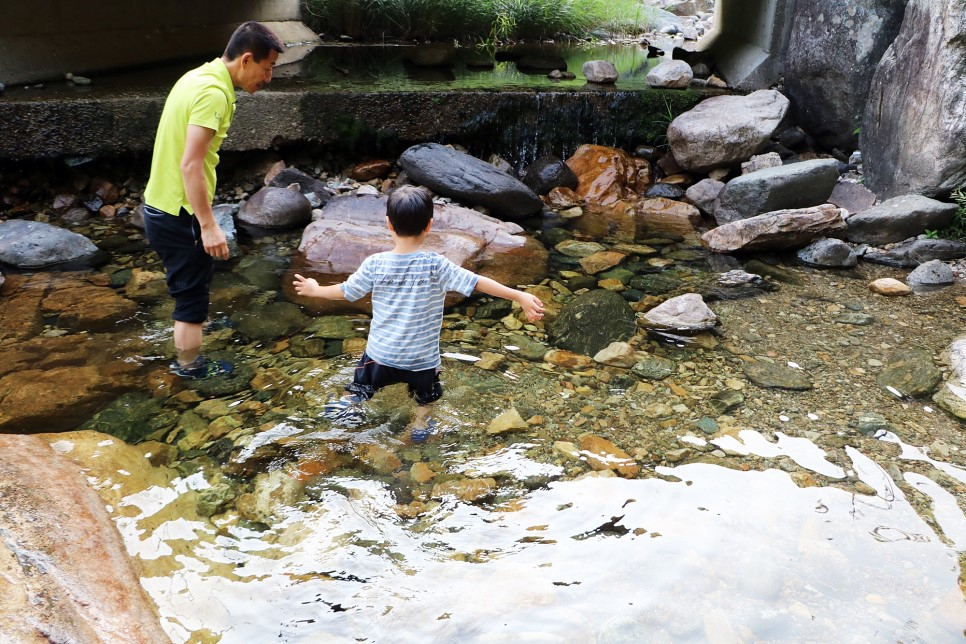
486, 20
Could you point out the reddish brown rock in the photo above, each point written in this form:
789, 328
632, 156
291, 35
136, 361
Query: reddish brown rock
54, 384
20, 315
65, 573
608, 175
368, 170
563, 197
80, 305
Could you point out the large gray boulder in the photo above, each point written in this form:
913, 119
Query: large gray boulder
796, 185
833, 50
273, 207
472, 181
590, 322
899, 218
725, 130
33, 244
914, 126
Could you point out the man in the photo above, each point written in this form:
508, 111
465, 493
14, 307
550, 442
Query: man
178, 219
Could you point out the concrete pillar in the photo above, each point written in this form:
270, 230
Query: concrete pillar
44, 39
749, 40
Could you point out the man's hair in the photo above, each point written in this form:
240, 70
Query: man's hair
255, 38
410, 209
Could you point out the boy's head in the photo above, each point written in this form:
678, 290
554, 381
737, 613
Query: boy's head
410, 209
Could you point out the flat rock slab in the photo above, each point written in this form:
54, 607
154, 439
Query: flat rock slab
64, 573
776, 376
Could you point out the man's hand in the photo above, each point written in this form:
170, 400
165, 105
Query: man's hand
213, 238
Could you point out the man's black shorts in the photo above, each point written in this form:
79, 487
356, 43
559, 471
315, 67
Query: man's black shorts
371, 376
188, 268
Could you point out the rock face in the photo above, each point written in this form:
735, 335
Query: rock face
351, 228
777, 230
725, 130
833, 50
472, 181
67, 574
898, 219
32, 244
914, 128
273, 207
590, 322
797, 185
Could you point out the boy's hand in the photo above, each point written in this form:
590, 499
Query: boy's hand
306, 286
531, 305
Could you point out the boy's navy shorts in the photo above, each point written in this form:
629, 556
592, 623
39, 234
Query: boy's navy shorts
188, 268
370, 377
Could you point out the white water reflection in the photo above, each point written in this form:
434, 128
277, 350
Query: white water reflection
713, 554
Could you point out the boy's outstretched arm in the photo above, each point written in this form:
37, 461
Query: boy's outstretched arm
309, 287
530, 304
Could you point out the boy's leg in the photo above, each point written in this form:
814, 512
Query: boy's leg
426, 389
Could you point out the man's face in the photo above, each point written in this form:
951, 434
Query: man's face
256, 75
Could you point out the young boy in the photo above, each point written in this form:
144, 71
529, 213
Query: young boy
408, 288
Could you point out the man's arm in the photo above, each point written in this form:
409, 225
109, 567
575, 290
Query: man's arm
197, 142
530, 304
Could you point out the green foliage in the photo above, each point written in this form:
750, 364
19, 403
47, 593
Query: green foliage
957, 229
487, 20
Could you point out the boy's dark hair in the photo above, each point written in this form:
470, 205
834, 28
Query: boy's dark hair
410, 209
255, 38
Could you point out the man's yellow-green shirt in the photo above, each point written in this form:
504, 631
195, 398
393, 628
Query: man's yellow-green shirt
204, 96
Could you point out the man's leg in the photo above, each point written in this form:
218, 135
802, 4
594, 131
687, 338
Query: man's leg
187, 341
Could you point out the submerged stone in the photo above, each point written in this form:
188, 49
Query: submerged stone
911, 372
775, 376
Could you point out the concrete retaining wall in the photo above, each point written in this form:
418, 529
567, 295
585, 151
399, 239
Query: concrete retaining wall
44, 39
749, 41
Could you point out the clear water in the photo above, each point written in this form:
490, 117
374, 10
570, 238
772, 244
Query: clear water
758, 533
697, 553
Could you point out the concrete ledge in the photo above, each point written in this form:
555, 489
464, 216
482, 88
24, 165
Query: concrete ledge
44, 39
510, 123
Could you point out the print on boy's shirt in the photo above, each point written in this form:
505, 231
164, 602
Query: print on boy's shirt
403, 281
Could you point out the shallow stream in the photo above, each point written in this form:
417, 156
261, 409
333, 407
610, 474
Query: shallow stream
783, 519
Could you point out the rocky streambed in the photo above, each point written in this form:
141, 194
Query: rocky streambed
780, 379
